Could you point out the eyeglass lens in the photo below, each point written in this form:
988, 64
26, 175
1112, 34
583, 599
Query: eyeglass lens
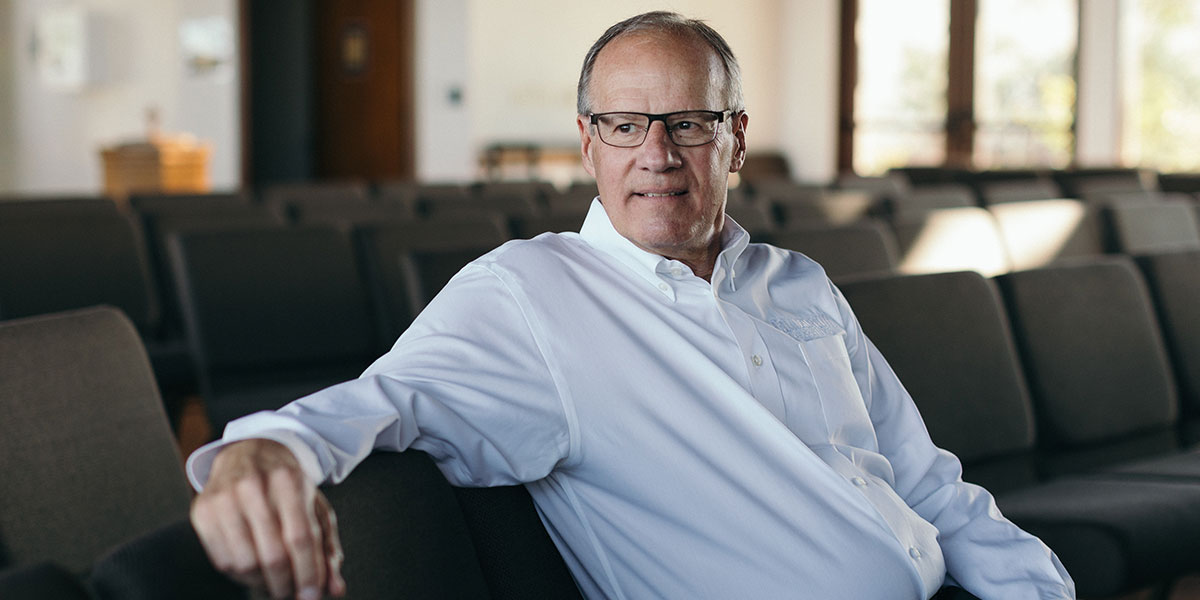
694, 128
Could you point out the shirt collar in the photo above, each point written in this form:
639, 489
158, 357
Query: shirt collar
598, 231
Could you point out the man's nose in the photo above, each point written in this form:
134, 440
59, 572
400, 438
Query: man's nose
658, 152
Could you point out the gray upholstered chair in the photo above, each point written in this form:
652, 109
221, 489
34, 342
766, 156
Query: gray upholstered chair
1174, 282
947, 337
41, 581
86, 454
272, 314
863, 247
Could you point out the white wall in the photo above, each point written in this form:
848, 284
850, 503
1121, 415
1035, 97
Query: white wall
58, 133
444, 144
525, 57
808, 88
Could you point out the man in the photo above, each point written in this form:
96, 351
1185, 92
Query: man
695, 416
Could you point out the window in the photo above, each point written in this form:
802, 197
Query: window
900, 100
1024, 83
1161, 120
982, 83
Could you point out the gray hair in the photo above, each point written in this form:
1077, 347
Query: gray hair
670, 23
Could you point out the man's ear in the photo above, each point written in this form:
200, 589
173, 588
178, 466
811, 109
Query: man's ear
739, 140
585, 143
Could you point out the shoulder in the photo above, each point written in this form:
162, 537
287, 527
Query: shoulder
547, 252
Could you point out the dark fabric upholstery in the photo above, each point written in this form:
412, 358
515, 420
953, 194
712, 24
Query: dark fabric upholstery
1095, 361
517, 556
951, 239
166, 564
1154, 226
402, 280
863, 247
403, 533
278, 306
1113, 536
1174, 282
947, 337
86, 455
41, 581
922, 199
72, 256
1039, 232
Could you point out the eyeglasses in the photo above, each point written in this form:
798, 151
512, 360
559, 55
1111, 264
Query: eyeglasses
685, 128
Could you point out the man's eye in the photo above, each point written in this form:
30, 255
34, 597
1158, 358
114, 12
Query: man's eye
686, 126
625, 128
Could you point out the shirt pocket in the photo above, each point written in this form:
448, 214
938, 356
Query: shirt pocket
842, 406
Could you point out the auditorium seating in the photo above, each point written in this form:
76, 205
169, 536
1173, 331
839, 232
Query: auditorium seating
272, 314
1149, 226
1174, 284
71, 253
948, 338
1036, 233
866, 246
1037, 420
86, 453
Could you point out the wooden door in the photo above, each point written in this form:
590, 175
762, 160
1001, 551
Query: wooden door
364, 89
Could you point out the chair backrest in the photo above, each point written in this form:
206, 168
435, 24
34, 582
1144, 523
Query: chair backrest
283, 193
166, 562
75, 254
920, 200
863, 247
1174, 282
86, 454
951, 239
947, 337
1098, 372
1153, 226
408, 263
273, 309
755, 217
1039, 232
406, 534
41, 581
1018, 190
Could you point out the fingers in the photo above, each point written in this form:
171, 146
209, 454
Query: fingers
333, 546
273, 562
301, 535
266, 526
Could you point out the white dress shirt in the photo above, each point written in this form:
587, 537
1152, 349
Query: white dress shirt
680, 439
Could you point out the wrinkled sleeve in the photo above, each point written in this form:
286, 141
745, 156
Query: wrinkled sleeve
467, 383
985, 553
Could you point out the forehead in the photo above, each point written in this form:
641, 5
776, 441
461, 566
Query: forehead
657, 72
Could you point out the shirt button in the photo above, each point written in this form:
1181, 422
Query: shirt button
664, 287
676, 271
757, 360
913, 552
860, 482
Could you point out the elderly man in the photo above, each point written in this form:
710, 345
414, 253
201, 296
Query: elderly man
695, 416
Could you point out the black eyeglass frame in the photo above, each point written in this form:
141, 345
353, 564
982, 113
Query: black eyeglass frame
594, 119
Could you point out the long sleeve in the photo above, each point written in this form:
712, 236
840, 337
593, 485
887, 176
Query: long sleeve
466, 383
984, 552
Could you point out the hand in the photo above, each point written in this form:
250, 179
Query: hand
265, 525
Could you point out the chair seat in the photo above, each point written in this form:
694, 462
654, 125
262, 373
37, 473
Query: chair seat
1113, 536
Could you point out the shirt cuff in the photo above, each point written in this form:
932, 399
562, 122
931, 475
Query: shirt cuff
199, 464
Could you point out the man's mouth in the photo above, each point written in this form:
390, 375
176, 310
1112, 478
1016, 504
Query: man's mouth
661, 194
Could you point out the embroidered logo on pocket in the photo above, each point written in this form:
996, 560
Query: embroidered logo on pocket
803, 329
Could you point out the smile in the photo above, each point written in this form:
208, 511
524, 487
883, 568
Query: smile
661, 194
